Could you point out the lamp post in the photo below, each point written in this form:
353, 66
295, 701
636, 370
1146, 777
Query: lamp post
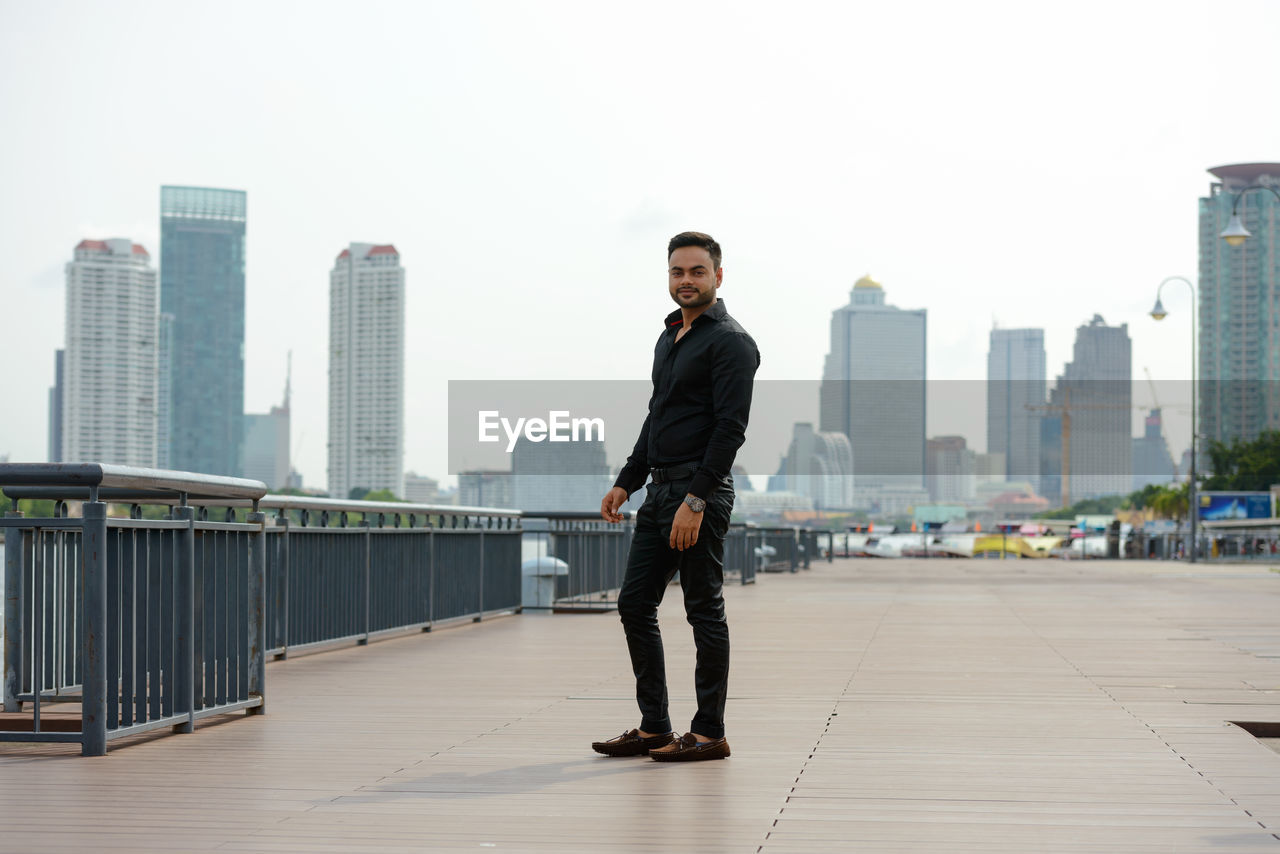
1158, 312
1235, 233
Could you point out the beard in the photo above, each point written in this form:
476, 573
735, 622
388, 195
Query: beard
698, 301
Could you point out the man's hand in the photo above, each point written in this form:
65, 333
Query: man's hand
684, 528
609, 505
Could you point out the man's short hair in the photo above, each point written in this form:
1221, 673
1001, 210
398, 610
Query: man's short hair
696, 238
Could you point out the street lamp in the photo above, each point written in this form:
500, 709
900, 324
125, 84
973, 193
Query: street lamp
1235, 233
1158, 312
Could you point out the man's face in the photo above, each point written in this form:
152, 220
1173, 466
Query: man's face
691, 278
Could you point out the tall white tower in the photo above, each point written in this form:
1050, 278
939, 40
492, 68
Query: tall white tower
366, 370
109, 397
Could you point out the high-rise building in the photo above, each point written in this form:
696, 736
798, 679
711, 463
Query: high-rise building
109, 370
55, 408
819, 465
1240, 306
950, 469
366, 370
1152, 462
873, 391
553, 476
1095, 389
202, 255
1016, 383
266, 442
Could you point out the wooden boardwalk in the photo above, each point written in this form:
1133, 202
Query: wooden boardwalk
1017, 706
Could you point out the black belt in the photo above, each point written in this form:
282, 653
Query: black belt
682, 471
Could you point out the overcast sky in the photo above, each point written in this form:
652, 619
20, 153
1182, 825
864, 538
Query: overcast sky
1026, 164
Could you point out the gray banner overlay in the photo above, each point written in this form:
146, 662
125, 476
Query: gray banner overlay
588, 427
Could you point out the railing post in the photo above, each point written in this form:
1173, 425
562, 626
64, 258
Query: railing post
795, 552
93, 715
13, 575
480, 612
282, 571
831, 546
258, 611
184, 619
810, 543
368, 548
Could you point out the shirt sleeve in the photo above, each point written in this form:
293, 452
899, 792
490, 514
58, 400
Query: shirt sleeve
733, 370
636, 471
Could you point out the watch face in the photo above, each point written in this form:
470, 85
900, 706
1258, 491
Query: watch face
697, 505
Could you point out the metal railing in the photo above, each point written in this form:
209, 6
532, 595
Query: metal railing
149, 623
594, 553
399, 568
105, 611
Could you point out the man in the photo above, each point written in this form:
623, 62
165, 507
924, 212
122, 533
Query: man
703, 368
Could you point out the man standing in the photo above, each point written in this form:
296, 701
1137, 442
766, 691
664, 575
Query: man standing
703, 368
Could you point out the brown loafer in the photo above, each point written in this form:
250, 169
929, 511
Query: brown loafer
688, 749
631, 743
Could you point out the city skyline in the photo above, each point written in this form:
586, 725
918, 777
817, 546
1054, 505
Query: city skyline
1003, 221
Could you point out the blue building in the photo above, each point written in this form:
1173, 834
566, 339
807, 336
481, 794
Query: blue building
202, 234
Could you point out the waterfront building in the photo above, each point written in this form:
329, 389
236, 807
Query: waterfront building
109, 368
366, 370
202, 286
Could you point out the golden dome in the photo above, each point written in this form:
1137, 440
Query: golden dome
867, 282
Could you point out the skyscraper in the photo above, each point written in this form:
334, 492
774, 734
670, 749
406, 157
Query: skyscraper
202, 234
1152, 462
109, 370
873, 391
1016, 381
1240, 306
366, 370
1095, 390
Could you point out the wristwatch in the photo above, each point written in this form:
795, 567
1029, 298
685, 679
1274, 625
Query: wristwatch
696, 504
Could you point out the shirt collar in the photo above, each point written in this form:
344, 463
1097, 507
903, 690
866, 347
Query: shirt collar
716, 312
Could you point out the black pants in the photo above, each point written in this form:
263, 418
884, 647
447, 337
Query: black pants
650, 566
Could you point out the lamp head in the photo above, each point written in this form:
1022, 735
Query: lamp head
1235, 233
1158, 311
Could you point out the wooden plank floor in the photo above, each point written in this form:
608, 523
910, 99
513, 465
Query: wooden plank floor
911, 705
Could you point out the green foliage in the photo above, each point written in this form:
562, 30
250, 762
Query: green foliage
380, 495
1104, 506
1245, 466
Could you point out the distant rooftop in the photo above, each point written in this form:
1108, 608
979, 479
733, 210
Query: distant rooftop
203, 203
1244, 174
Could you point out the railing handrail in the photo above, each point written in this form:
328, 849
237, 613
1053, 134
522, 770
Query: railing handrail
92, 476
308, 502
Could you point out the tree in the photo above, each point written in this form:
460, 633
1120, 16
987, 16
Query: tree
381, 495
1245, 466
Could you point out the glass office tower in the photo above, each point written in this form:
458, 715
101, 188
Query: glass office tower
202, 234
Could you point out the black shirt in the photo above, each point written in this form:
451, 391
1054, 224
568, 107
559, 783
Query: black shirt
700, 403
